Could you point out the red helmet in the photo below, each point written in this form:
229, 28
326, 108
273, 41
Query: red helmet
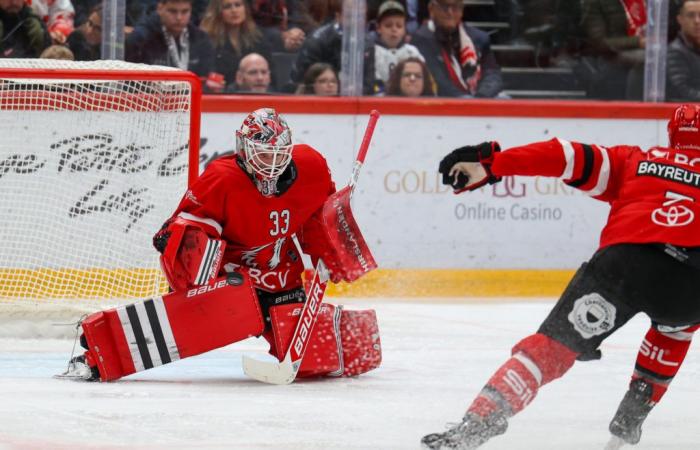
684, 127
264, 141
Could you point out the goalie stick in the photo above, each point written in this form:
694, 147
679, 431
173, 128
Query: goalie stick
285, 372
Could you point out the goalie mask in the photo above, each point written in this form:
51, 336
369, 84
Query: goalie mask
684, 128
264, 143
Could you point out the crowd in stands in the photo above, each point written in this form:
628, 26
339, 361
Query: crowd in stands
413, 48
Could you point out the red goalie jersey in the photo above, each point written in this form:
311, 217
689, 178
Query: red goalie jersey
259, 230
653, 194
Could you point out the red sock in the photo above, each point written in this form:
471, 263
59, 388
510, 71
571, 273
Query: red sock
660, 356
512, 387
536, 361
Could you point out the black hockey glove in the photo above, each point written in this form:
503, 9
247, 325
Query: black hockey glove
160, 240
459, 180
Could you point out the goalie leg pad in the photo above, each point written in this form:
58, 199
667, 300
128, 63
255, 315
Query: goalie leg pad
161, 330
362, 350
323, 354
344, 343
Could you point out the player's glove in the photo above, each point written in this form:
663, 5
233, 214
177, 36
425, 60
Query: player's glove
469, 167
160, 240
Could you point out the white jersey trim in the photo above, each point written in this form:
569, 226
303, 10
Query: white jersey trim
603, 174
569, 157
211, 222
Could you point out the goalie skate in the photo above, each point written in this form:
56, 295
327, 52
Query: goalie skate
78, 370
469, 434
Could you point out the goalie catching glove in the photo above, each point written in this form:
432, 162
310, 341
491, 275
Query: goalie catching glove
468, 168
191, 251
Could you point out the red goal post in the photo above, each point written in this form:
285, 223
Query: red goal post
94, 156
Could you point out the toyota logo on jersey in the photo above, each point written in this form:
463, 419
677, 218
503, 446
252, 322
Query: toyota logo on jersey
673, 214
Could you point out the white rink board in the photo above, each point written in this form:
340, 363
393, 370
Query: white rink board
113, 176
411, 221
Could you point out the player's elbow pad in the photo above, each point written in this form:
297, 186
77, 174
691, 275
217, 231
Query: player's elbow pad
191, 252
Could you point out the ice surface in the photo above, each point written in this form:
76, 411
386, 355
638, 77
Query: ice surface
436, 358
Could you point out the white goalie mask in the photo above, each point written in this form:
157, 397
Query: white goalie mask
264, 142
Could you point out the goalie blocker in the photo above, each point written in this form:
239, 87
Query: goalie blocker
158, 331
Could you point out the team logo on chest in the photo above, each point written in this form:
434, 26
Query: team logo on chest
257, 255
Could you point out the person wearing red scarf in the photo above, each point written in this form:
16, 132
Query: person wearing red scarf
459, 56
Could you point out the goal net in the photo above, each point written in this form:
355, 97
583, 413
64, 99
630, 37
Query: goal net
93, 158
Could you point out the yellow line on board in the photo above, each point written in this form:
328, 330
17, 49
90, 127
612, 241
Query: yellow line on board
140, 283
455, 283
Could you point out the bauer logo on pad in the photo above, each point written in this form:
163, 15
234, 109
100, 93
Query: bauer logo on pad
207, 288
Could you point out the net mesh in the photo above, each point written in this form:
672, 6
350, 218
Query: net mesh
89, 170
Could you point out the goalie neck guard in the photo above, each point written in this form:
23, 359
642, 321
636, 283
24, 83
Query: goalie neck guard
264, 144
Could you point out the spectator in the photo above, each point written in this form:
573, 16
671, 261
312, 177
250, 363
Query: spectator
136, 11
613, 44
313, 14
168, 38
22, 33
683, 79
457, 55
411, 78
253, 75
319, 79
57, 52
391, 46
230, 25
86, 41
281, 22
325, 45
57, 15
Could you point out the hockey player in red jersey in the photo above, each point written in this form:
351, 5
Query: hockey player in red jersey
230, 255
648, 261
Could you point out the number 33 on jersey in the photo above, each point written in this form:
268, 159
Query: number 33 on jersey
259, 229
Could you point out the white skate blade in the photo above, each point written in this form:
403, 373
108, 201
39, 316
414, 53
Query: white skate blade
76, 372
67, 376
615, 443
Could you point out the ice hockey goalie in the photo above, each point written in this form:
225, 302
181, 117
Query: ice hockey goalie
231, 254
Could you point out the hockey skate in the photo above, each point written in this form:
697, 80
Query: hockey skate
79, 370
469, 434
626, 426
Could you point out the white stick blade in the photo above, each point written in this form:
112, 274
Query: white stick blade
269, 371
